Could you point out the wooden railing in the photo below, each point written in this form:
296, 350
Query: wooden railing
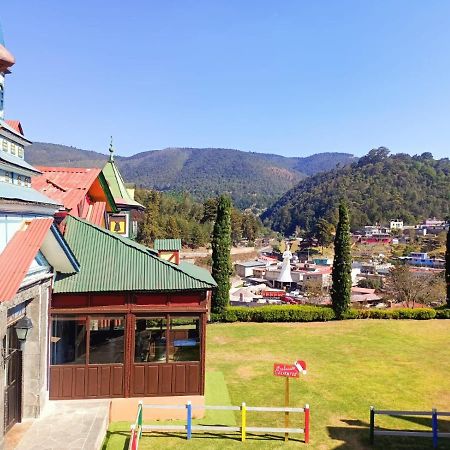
434, 433
138, 427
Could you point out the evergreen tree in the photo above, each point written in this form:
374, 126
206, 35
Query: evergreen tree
221, 259
342, 265
447, 267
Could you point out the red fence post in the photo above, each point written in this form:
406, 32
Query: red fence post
306, 424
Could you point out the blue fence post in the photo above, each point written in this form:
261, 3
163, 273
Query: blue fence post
434, 424
189, 419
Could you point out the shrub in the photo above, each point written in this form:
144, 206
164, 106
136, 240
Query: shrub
276, 314
443, 313
305, 313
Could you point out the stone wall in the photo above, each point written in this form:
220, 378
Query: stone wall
35, 351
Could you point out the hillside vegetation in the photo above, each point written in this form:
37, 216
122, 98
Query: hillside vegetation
378, 187
251, 179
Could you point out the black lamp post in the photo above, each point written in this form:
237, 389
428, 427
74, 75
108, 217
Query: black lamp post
22, 327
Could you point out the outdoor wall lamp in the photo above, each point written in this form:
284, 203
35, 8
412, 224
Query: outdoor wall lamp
22, 327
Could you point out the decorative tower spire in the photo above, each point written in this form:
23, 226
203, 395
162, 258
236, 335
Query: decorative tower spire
6, 61
111, 151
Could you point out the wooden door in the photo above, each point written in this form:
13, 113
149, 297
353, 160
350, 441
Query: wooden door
13, 380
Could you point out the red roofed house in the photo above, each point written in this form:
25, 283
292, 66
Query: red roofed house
83, 192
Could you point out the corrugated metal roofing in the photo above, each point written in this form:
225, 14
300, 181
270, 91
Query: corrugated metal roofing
96, 214
167, 244
197, 272
16, 125
109, 262
16, 258
68, 186
26, 194
6, 126
117, 185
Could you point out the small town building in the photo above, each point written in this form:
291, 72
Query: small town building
168, 249
422, 259
247, 269
81, 192
396, 224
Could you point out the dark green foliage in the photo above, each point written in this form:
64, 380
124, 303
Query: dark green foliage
447, 267
168, 216
370, 283
221, 258
275, 313
400, 313
324, 232
443, 313
342, 265
306, 313
252, 179
180, 216
378, 188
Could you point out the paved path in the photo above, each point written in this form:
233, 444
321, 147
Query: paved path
68, 425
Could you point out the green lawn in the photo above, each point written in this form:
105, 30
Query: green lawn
351, 365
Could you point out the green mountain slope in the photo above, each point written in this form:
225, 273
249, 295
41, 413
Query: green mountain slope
378, 188
252, 179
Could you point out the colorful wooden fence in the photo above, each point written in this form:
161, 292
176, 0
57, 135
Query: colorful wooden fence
434, 433
138, 427
136, 430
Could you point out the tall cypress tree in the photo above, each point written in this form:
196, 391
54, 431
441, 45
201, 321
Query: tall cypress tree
342, 264
447, 267
221, 259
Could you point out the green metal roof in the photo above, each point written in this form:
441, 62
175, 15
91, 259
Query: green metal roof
109, 262
117, 185
167, 244
197, 272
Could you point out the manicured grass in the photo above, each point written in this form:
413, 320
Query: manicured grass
351, 365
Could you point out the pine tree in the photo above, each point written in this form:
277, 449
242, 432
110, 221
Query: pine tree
342, 265
221, 259
447, 267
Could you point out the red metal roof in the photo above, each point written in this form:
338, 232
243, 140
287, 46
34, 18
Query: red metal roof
16, 258
65, 185
96, 214
16, 125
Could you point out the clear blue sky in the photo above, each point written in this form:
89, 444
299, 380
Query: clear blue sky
289, 77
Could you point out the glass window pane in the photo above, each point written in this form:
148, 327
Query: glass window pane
150, 340
106, 342
68, 340
184, 339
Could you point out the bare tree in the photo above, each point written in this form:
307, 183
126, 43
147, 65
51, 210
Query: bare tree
409, 288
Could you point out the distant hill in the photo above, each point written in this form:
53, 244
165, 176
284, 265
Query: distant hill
252, 179
378, 188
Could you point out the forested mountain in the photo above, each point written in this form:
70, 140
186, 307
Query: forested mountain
180, 216
252, 179
378, 188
